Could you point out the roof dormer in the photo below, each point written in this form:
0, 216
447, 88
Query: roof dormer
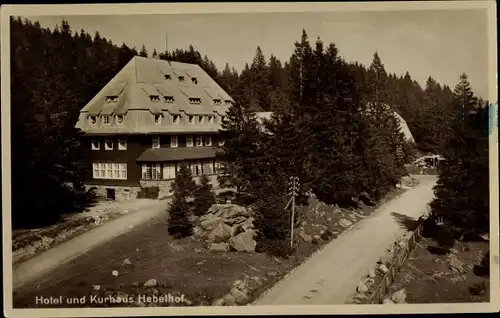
194, 100
194, 80
154, 98
217, 101
169, 99
111, 99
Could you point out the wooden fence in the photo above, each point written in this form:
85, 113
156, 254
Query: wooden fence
399, 257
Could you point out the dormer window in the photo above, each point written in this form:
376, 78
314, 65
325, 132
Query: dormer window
194, 80
191, 119
208, 141
92, 120
119, 119
169, 99
228, 102
222, 118
176, 119
193, 100
181, 78
217, 101
106, 120
199, 141
111, 99
168, 76
210, 119
154, 98
157, 119
201, 119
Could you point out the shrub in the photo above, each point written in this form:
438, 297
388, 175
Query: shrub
203, 197
446, 237
178, 224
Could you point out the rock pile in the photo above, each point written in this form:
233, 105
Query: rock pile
227, 226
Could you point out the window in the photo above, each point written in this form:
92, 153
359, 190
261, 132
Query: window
109, 170
199, 141
195, 168
169, 171
169, 99
108, 144
92, 120
201, 119
181, 78
155, 171
189, 141
222, 118
208, 167
122, 143
154, 98
111, 99
105, 120
210, 119
119, 119
96, 145
146, 171
194, 80
173, 142
168, 76
194, 100
151, 171
176, 119
217, 101
156, 142
95, 169
208, 141
157, 119
228, 102
191, 119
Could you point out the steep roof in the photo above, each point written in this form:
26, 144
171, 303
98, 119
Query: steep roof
144, 87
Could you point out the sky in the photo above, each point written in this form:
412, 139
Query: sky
437, 43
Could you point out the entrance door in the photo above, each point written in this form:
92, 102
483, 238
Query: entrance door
110, 194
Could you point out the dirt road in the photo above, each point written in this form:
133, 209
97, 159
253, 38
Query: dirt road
332, 275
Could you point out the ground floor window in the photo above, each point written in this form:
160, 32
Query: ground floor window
151, 171
102, 170
168, 170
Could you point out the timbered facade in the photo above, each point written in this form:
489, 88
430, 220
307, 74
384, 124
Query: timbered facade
149, 118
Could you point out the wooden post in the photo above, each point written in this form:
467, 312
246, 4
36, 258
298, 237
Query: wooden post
293, 192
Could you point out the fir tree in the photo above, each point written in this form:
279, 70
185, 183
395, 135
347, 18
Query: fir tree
179, 225
204, 198
183, 185
144, 51
461, 194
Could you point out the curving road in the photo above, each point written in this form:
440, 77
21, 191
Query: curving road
332, 275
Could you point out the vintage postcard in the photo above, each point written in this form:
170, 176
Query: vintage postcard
250, 158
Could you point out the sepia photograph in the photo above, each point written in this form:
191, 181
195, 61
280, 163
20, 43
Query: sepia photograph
258, 158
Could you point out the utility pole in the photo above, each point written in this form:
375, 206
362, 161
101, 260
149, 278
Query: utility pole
293, 187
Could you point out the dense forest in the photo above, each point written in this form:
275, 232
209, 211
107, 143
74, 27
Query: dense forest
330, 126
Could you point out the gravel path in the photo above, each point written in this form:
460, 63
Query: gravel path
331, 275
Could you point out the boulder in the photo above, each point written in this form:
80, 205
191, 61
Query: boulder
240, 296
305, 237
362, 288
372, 274
229, 300
208, 224
383, 268
127, 262
219, 247
345, 223
218, 302
244, 242
234, 220
151, 283
220, 234
198, 231
399, 297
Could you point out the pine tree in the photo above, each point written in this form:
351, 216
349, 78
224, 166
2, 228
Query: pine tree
144, 51
461, 194
183, 185
179, 225
204, 198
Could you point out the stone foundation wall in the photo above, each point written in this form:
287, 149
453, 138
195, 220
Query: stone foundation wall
121, 193
129, 193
